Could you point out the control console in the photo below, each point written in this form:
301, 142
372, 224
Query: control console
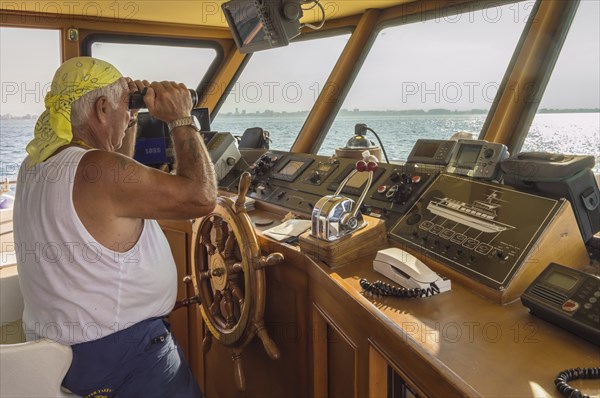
297, 181
482, 230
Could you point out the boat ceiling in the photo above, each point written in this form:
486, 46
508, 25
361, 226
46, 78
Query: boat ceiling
194, 12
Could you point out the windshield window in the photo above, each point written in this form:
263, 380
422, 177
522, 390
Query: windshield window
147, 61
568, 119
431, 79
28, 60
278, 87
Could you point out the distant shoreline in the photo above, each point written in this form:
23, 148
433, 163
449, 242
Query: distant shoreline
356, 112
411, 112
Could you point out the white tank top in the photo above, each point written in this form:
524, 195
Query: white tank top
75, 289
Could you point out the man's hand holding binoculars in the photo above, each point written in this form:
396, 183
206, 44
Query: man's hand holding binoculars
166, 101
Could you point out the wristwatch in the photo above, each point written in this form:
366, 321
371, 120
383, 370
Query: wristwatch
191, 121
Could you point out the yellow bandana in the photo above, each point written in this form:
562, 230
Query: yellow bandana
73, 79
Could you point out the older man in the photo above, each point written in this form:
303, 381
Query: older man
96, 271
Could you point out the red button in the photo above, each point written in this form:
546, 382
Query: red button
416, 179
382, 188
570, 306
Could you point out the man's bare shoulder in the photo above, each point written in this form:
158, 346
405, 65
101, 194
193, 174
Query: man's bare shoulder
103, 167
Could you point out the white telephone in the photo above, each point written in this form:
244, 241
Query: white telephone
407, 270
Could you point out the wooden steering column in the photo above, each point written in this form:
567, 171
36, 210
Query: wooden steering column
228, 273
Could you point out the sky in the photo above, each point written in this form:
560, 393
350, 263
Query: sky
453, 62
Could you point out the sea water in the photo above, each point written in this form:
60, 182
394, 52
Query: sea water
576, 133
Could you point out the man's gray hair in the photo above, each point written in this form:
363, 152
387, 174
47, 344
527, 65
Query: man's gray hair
82, 108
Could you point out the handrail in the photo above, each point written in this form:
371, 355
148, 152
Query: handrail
5, 187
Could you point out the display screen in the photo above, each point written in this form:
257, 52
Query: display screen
291, 168
358, 180
467, 156
247, 23
561, 280
426, 149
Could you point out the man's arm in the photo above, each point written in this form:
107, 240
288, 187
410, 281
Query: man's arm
126, 188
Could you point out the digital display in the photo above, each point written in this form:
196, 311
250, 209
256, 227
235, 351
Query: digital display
426, 149
247, 22
467, 156
561, 280
358, 180
291, 168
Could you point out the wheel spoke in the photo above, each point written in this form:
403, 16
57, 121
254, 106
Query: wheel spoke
236, 268
237, 294
224, 237
220, 321
205, 238
228, 309
206, 275
215, 307
218, 223
215, 310
230, 246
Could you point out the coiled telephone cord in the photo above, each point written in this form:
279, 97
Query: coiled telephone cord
380, 289
567, 375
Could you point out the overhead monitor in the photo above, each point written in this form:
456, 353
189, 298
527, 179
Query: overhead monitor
261, 24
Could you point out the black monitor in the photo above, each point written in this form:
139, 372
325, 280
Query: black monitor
261, 24
153, 146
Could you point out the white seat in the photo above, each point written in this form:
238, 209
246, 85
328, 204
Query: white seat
31, 369
34, 369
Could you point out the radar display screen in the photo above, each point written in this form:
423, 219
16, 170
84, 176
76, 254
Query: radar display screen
426, 149
467, 156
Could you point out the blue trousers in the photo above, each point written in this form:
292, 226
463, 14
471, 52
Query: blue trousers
142, 361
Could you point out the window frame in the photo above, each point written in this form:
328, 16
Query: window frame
304, 37
410, 13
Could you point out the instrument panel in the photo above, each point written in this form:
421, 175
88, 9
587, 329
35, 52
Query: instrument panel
480, 229
297, 181
484, 230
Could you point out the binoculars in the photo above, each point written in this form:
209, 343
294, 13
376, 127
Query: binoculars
136, 100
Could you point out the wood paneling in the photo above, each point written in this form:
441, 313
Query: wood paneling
178, 240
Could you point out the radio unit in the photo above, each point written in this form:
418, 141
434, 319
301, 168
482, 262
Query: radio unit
477, 159
436, 152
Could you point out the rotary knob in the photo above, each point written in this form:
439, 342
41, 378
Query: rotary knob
315, 177
230, 161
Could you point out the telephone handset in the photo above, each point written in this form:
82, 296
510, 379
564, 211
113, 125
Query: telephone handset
416, 279
403, 268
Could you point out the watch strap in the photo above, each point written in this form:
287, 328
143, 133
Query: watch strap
184, 121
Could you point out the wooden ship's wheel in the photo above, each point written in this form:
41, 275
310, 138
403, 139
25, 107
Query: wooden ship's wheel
229, 278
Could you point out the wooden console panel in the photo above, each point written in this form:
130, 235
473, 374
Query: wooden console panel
336, 342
